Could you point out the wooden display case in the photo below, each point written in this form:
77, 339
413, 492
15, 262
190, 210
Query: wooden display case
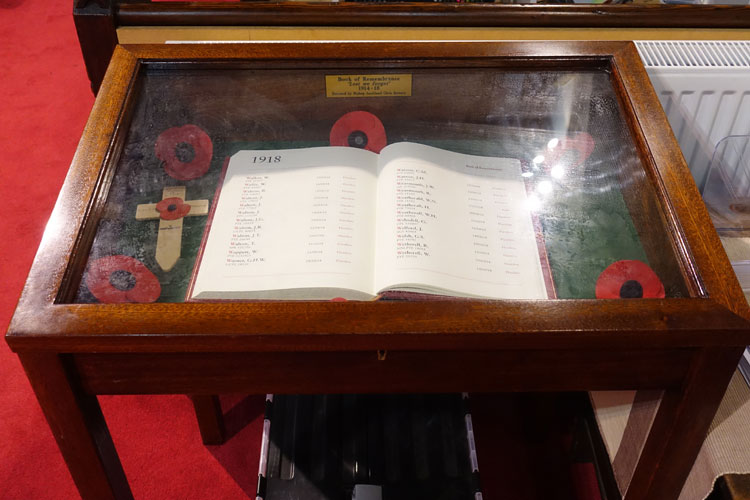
617, 191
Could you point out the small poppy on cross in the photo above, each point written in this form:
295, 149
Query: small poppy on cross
170, 212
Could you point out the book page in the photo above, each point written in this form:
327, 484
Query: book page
455, 224
291, 219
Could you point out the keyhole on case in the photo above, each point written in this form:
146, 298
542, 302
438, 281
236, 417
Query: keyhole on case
357, 139
122, 280
631, 289
184, 152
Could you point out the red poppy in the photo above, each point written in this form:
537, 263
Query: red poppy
119, 278
627, 279
172, 208
186, 152
359, 129
582, 143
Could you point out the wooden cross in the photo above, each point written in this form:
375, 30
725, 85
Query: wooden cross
170, 212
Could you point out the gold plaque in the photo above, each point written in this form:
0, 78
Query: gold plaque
384, 85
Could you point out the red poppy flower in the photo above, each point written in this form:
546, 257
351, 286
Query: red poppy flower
581, 143
172, 208
359, 129
628, 279
186, 152
119, 278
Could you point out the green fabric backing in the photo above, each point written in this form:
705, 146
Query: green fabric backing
585, 230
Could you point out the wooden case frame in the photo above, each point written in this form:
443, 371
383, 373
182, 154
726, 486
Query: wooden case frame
687, 347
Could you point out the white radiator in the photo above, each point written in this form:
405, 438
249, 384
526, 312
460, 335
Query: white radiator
704, 88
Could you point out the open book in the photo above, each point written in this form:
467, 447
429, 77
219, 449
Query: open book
328, 222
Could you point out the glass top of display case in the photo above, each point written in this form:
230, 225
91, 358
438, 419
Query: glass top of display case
416, 181
476, 190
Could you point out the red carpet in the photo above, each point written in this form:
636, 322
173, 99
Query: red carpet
44, 102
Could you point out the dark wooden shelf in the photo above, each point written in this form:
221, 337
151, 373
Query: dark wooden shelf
97, 21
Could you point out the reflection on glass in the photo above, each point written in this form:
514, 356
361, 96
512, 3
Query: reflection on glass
591, 202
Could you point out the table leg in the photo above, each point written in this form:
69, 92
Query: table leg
681, 424
210, 419
77, 423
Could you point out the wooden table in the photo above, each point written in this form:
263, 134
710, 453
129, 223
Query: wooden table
74, 347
